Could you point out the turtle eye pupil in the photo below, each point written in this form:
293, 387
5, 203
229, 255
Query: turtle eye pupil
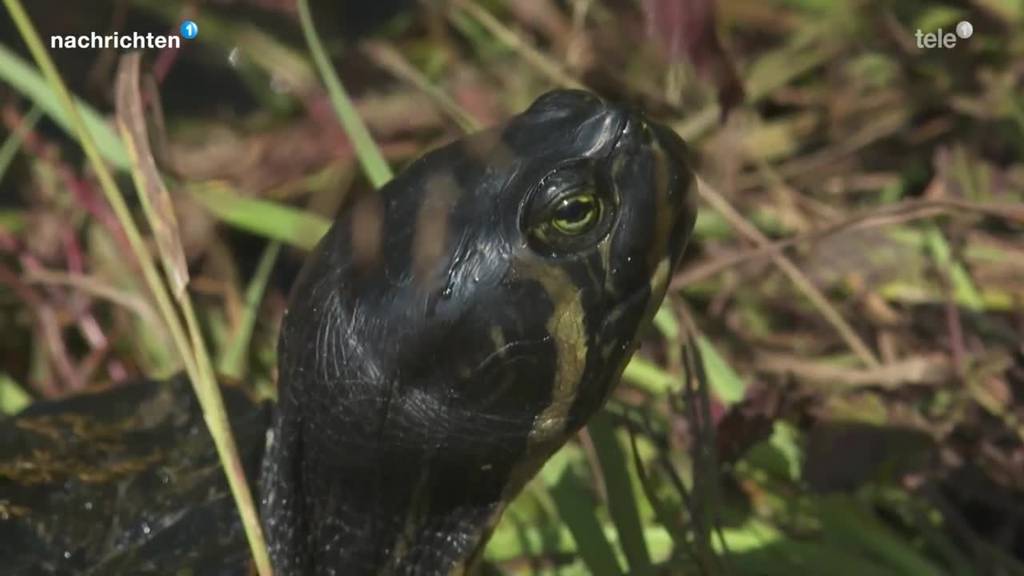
577, 214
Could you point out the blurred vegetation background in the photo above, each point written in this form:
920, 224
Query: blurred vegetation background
849, 401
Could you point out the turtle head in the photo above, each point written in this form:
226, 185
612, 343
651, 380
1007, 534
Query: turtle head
448, 334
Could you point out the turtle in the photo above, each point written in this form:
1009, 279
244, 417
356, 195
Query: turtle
445, 337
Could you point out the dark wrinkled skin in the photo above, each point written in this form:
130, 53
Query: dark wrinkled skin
424, 379
123, 482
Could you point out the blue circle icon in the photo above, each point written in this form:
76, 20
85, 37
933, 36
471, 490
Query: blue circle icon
189, 29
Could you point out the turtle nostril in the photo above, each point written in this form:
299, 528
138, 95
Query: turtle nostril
646, 133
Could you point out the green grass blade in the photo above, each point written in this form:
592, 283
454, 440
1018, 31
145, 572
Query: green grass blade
622, 503
26, 79
649, 376
189, 345
233, 360
12, 144
963, 287
577, 511
369, 154
849, 525
263, 217
665, 512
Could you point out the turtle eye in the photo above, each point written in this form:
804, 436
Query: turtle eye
576, 214
568, 211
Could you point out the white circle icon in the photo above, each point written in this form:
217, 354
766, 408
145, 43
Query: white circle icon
964, 29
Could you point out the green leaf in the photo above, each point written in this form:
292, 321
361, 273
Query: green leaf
848, 524
578, 512
649, 376
263, 217
13, 398
12, 221
725, 382
622, 503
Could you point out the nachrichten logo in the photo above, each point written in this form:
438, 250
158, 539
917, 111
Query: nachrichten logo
133, 41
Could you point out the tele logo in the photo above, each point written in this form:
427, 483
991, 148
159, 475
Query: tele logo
940, 39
